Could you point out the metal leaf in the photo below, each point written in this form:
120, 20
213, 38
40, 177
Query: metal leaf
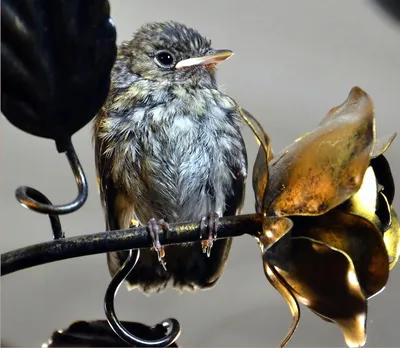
97, 333
56, 60
331, 289
325, 167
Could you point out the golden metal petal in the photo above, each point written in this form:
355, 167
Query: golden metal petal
327, 166
373, 200
384, 177
363, 203
324, 279
355, 236
283, 288
274, 228
264, 155
383, 214
382, 144
260, 180
357, 102
392, 240
258, 131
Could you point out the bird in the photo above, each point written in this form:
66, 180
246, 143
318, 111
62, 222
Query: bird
168, 148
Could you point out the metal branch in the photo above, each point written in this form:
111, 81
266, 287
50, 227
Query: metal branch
134, 238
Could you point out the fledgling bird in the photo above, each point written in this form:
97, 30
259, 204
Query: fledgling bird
168, 149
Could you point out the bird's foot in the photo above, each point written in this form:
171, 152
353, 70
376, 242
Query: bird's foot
152, 229
210, 231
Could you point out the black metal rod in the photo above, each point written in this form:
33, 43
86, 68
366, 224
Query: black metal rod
134, 238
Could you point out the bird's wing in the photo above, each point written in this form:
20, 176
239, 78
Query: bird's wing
108, 196
108, 191
235, 201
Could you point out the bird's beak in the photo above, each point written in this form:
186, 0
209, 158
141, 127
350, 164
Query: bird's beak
214, 57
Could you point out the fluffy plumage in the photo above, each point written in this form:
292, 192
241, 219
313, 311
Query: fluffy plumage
168, 146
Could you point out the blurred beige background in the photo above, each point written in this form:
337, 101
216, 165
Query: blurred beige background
294, 60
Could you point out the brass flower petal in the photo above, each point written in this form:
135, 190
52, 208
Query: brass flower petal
325, 167
392, 240
382, 144
370, 201
355, 236
274, 228
264, 155
384, 177
325, 280
282, 287
363, 202
383, 214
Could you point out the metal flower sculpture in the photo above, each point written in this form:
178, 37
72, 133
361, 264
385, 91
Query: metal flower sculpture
343, 238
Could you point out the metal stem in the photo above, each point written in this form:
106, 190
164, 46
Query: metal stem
134, 238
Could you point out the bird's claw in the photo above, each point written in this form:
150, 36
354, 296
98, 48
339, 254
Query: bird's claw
209, 230
152, 228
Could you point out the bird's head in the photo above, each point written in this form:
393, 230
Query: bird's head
173, 53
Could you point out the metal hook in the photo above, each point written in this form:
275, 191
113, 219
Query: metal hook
54, 218
27, 196
34, 200
172, 325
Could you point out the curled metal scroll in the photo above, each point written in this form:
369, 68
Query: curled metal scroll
35, 200
172, 325
29, 194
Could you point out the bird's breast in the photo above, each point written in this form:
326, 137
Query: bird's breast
177, 163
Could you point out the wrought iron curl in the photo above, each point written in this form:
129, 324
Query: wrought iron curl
172, 325
35, 200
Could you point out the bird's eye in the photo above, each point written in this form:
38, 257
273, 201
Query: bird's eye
164, 59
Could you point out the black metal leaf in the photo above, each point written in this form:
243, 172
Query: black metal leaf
56, 57
97, 333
